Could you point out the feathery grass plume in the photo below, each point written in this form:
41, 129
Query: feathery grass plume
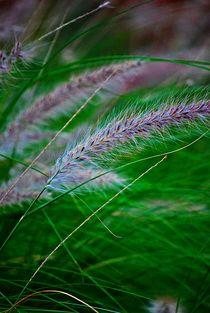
75, 89
128, 129
28, 188
17, 196
79, 175
154, 73
34, 136
165, 305
33, 180
37, 137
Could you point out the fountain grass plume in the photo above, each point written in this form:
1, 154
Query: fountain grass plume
30, 187
17, 196
128, 129
77, 88
80, 174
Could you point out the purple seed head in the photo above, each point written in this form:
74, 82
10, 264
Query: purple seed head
128, 129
